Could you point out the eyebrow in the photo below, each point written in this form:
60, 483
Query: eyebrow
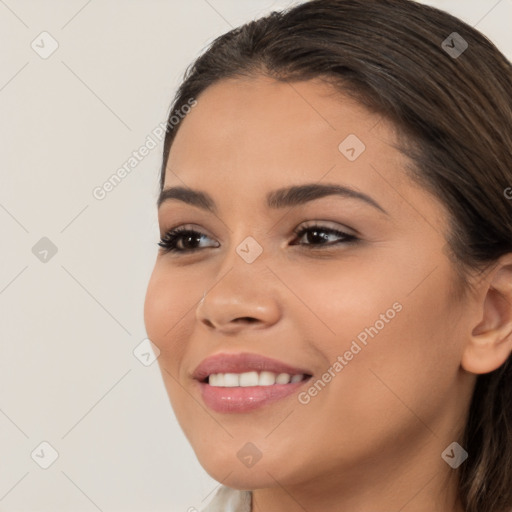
280, 198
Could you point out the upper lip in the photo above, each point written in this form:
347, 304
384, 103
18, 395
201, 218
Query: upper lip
243, 362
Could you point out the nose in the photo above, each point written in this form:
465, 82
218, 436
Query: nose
232, 305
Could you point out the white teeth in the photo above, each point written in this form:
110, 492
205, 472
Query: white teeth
230, 380
248, 379
267, 379
283, 378
217, 379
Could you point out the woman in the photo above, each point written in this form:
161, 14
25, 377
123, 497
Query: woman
332, 298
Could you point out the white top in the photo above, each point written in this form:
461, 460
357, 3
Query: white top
227, 499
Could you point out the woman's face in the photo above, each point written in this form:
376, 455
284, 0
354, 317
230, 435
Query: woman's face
372, 320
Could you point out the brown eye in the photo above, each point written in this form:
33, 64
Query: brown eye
319, 235
182, 240
186, 240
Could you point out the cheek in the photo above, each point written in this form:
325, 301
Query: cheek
165, 307
404, 372
156, 304
396, 337
165, 310
338, 299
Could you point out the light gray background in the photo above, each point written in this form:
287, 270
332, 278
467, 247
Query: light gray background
68, 326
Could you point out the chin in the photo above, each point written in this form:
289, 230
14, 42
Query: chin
242, 478
227, 466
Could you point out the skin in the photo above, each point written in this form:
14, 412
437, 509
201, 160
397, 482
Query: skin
372, 438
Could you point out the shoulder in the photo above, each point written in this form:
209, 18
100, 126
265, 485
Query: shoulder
227, 499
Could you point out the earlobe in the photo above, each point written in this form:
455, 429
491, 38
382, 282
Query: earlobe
490, 343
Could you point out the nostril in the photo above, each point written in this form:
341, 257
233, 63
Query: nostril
248, 319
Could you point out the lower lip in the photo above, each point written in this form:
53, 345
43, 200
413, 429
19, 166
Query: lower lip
244, 399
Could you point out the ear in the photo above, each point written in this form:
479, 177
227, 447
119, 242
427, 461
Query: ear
490, 343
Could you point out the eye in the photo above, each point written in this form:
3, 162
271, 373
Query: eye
181, 240
318, 233
185, 240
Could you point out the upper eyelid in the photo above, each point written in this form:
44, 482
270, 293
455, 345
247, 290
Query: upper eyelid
187, 226
305, 224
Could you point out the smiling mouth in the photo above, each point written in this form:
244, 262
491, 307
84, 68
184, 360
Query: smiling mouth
253, 379
242, 382
248, 391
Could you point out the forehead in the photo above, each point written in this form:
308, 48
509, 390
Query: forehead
260, 129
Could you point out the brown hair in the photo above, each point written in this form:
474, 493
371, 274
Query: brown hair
453, 106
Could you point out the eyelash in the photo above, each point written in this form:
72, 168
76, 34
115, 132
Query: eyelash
169, 242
